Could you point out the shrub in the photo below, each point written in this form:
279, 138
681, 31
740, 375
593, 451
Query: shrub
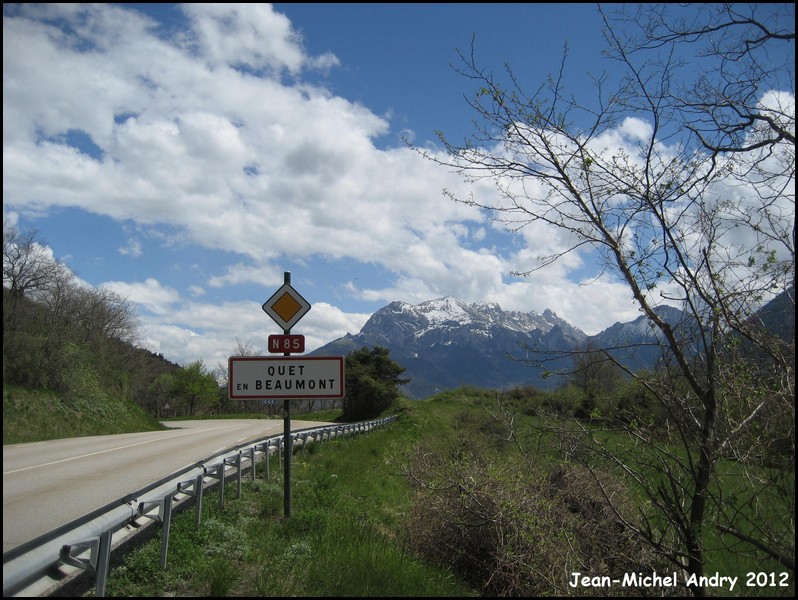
515, 529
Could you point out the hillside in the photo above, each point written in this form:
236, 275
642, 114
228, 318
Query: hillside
65, 377
37, 415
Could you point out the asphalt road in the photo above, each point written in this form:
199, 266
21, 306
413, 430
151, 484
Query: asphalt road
48, 484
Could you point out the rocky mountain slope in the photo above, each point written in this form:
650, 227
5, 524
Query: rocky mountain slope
447, 343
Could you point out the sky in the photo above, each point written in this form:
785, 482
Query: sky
188, 156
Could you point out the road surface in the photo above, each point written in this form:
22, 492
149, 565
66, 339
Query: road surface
48, 484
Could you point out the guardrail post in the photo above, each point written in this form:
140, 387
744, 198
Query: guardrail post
167, 526
234, 462
238, 468
164, 516
103, 561
98, 561
199, 490
220, 469
194, 488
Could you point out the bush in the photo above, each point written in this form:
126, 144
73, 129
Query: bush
514, 529
562, 402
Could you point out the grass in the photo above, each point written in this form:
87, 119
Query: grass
347, 535
36, 415
344, 536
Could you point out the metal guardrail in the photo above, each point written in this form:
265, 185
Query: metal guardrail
86, 542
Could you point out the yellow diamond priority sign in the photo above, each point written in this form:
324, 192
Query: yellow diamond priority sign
286, 307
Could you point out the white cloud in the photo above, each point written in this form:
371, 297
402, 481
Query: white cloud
212, 135
249, 35
242, 273
191, 329
150, 294
237, 162
132, 248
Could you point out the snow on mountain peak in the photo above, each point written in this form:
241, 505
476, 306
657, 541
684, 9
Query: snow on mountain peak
447, 313
481, 315
445, 309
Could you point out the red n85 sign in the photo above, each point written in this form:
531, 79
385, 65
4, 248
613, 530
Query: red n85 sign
287, 343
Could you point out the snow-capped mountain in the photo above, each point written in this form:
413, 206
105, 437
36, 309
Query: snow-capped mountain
404, 322
446, 343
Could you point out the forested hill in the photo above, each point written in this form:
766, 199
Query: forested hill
65, 344
71, 351
68, 369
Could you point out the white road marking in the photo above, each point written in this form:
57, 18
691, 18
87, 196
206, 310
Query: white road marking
55, 462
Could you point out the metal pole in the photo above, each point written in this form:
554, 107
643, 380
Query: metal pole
166, 518
288, 449
103, 562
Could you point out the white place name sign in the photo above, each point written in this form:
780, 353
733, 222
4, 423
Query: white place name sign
257, 377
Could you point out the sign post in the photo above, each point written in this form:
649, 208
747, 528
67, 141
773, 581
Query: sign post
271, 378
286, 306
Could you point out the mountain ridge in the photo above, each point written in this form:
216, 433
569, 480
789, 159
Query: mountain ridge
446, 343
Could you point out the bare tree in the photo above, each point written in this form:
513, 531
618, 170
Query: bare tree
27, 265
724, 104
58, 296
103, 314
28, 271
687, 196
241, 348
45, 310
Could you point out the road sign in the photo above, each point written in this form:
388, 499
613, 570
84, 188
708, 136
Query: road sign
286, 307
287, 343
254, 377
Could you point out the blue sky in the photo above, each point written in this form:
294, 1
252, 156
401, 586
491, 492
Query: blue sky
186, 156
